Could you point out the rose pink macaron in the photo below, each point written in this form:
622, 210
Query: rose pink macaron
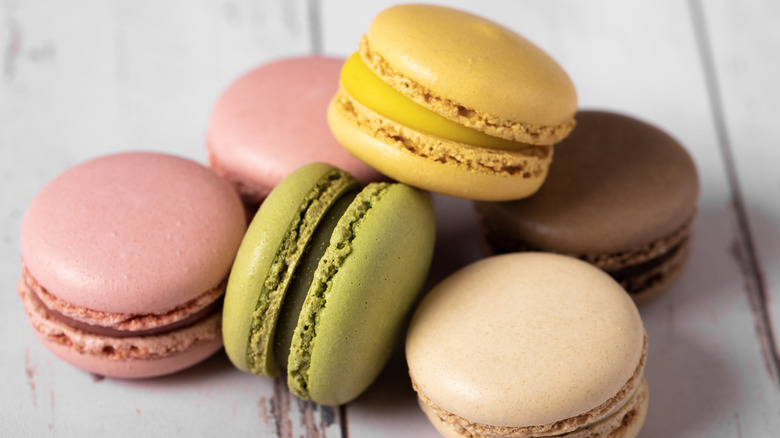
124, 263
272, 120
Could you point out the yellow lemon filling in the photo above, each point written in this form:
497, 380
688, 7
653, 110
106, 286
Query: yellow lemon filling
373, 93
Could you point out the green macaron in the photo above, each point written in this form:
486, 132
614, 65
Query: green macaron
324, 279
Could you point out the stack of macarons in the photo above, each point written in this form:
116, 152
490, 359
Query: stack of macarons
141, 264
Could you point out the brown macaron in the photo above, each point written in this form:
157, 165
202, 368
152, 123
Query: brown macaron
621, 194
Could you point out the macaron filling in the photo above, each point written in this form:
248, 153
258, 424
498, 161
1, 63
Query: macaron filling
50, 329
635, 279
109, 332
636, 270
372, 92
124, 325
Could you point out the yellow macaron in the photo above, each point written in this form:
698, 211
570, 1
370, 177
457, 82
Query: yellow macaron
452, 103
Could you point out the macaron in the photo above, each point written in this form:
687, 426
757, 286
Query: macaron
529, 345
621, 194
125, 260
324, 280
271, 120
452, 103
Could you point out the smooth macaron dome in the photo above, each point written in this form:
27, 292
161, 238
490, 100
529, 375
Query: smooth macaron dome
125, 259
324, 279
272, 120
549, 346
621, 194
437, 90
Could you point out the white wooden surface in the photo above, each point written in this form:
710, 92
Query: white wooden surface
84, 78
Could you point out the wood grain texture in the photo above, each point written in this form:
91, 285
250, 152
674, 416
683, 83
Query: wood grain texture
88, 77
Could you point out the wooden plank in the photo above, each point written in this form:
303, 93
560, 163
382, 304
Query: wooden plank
744, 43
88, 78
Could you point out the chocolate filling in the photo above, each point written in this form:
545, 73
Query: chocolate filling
114, 333
624, 276
303, 276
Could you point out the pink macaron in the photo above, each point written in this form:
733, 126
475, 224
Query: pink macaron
272, 120
124, 261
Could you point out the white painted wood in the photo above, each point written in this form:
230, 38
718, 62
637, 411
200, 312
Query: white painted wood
745, 44
85, 78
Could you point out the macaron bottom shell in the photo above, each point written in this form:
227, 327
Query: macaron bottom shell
625, 422
436, 164
136, 368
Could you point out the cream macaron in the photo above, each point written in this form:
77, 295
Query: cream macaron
529, 345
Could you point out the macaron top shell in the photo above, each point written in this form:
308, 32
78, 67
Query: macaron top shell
132, 232
479, 65
615, 184
271, 120
524, 339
